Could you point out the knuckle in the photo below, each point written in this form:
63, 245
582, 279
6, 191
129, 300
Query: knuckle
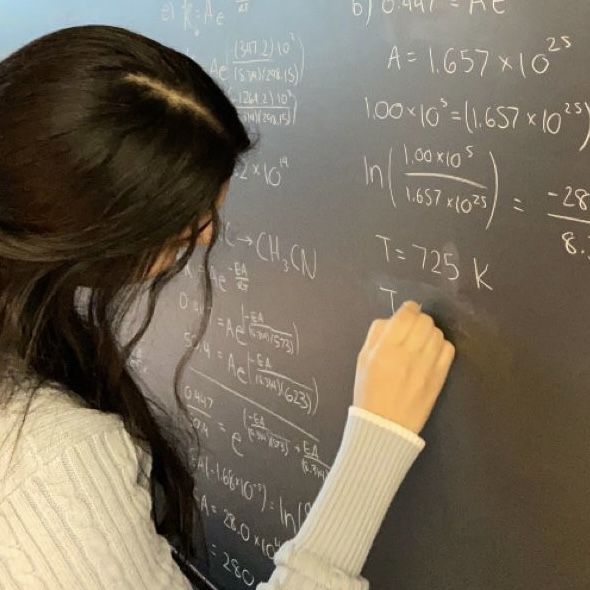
427, 320
405, 320
380, 358
375, 326
448, 354
372, 356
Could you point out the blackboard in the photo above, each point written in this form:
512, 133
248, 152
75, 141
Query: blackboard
427, 149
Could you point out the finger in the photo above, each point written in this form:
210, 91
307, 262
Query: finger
411, 305
421, 331
375, 330
442, 365
399, 326
447, 355
432, 350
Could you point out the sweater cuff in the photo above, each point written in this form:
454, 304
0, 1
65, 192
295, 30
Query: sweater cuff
389, 424
374, 456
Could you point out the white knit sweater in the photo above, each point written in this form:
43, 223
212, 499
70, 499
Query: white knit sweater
75, 511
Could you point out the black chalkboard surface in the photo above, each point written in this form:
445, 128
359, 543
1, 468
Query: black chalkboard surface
428, 149
435, 150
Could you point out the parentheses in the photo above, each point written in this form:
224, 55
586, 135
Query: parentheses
296, 337
390, 184
496, 191
457, 204
244, 419
317, 396
302, 55
467, 116
369, 12
263, 497
583, 146
295, 111
521, 60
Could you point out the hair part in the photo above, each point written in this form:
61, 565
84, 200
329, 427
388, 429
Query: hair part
176, 99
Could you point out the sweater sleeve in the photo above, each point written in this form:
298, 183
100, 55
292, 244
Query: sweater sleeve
332, 545
83, 521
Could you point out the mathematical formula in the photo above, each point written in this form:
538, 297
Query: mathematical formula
448, 116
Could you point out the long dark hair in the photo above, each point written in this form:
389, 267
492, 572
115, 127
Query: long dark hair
111, 144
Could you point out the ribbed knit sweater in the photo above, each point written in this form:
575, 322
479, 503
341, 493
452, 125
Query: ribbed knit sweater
75, 509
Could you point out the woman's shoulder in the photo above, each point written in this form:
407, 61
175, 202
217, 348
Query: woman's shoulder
56, 420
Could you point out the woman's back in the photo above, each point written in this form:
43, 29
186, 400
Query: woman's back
75, 502
55, 420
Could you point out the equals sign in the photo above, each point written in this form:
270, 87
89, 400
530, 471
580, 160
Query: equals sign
400, 254
411, 56
456, 115
221, 426
519, 203
219, 354
220, 322
454, 4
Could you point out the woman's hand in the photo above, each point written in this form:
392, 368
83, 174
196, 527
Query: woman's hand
402, 367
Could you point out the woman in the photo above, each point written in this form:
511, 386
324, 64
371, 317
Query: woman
115, 154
